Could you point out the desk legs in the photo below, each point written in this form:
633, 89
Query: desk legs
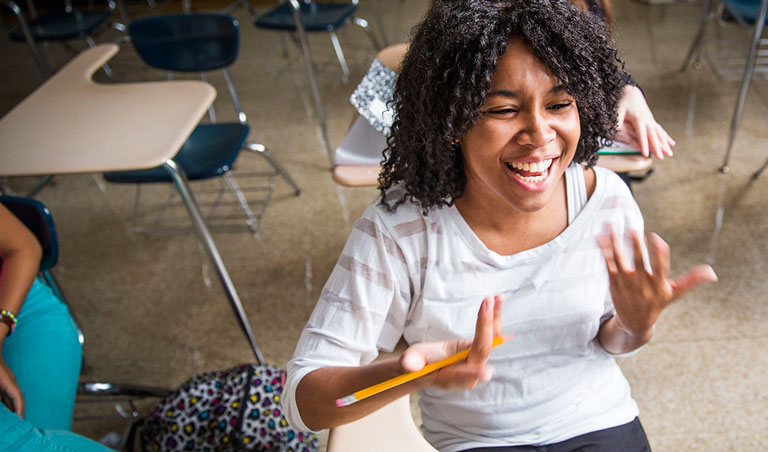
180, 180
759, 25
694, 51
306, 52
44, 70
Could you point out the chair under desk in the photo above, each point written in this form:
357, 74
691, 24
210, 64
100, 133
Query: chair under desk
91, 127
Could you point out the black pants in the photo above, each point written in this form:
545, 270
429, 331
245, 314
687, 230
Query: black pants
624, 438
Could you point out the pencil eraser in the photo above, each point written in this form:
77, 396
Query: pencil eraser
346, 400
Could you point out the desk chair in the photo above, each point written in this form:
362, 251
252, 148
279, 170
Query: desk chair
202, 43
61, 26
39, 220
303, 17
390, 428
318, 17
747, 14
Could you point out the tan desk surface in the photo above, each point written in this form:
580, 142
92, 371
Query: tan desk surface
72, 124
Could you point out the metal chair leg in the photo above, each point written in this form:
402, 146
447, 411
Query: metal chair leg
41, 183
91, 43
706, 17
319, 111
241, 3
44, 70
119, 389
49, 56
153, 226
261, 149
759, 172
124, 13
340, 56
32, 9
51, 282
235, 98
253, 221
204, 235
379, 22
759, 26
257, 147
211, 109
362, 23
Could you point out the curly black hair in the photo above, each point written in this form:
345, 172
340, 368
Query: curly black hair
447, 72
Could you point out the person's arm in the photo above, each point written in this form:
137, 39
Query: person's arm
317, 392
391, 57
639, 296
638, 127
20, 254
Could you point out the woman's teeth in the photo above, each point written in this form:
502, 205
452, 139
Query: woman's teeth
532, 167
533, 179
535, 171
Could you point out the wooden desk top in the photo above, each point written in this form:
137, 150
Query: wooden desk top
72, 124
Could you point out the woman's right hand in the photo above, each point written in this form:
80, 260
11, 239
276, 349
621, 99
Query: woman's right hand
10, 391
466, 374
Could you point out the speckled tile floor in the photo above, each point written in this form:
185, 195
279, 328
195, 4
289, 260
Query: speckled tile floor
153, 311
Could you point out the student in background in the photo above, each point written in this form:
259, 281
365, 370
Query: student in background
637, 126
40, 355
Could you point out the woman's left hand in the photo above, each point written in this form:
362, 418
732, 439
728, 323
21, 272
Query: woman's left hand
637, 126
639, 296
11, 393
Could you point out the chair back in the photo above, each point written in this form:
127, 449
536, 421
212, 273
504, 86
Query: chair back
744, 11
389, 428
37, 218
186, 42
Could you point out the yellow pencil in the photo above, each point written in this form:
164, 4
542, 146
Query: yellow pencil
405, 378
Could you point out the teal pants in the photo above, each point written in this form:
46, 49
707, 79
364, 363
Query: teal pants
45, 356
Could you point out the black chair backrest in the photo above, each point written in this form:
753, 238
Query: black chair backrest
37, 218
186, 42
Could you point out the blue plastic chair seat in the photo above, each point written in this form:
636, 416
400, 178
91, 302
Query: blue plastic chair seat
209, 151
186, 43
746, 9
62, 25
315, 16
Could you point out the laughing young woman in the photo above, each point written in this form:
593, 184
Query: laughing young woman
488, 198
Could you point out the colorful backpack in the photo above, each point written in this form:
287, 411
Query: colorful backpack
230, 410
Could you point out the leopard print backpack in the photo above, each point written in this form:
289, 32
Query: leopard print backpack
230, 410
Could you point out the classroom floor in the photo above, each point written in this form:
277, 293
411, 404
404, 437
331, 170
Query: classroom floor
153, 312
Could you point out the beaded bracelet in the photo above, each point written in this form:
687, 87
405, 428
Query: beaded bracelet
9, 319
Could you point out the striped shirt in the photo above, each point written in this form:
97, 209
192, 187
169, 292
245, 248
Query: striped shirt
422, 278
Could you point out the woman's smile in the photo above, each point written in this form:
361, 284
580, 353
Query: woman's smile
531, 175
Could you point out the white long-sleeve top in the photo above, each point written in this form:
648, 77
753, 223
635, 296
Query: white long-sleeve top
423, 278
